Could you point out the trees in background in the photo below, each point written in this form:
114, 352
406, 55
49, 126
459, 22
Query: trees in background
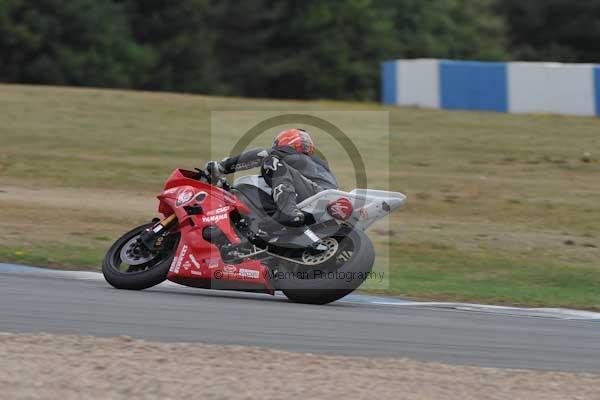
276, 48
181, 37
82, 42
553, 30
303, 48
454, 29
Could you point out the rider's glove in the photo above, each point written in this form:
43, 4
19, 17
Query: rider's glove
214, 169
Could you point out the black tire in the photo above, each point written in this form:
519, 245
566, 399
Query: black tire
321, 289
154, 272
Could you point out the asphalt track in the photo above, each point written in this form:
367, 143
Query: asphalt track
33, 300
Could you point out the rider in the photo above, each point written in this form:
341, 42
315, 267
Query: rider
289, 167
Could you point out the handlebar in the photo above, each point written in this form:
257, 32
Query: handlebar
201, 174
207, 176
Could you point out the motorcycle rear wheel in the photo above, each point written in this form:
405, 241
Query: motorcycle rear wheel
333, 281
152, 271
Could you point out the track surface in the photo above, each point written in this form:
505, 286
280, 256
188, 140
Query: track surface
58, 304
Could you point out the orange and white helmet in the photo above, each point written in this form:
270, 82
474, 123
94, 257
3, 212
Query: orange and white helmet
298, 139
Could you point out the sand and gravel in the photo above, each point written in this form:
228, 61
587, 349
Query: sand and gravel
42, 366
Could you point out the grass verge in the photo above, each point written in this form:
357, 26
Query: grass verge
503, 208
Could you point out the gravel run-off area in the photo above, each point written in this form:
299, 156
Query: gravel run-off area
43, 366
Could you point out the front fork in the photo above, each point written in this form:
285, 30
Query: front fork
152, 237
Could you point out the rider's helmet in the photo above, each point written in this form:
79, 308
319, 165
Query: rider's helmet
298, 139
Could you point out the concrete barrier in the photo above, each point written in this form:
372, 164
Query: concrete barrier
516, 87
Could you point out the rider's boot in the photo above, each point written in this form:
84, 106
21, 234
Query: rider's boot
287, 212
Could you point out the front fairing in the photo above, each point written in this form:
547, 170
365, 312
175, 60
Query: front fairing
198, 262
181, 180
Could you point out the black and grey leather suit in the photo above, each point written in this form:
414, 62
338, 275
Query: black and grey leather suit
293, 176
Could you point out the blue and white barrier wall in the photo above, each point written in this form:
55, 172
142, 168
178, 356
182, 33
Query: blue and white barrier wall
515, 87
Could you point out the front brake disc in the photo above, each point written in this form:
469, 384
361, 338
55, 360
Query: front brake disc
134, 253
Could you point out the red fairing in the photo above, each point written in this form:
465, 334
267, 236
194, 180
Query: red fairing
198, 262
180, 178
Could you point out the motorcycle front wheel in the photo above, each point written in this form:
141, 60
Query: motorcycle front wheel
128, 265
336, 277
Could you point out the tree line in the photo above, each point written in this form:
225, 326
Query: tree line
277, 48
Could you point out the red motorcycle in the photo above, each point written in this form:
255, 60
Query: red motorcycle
216, 236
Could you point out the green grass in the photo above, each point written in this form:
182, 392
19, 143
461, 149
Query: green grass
501, 207
452, 275
55, 255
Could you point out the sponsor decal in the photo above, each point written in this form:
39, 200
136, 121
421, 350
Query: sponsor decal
197, 273
172, 268
364, 215
230, 269
211, 262
184, 197
194, 261
340, 209
186, 265
215, 218
249, 273
219, 210
181, 257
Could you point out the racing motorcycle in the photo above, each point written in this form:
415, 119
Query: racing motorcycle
213, 235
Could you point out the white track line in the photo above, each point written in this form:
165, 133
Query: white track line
561, 313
